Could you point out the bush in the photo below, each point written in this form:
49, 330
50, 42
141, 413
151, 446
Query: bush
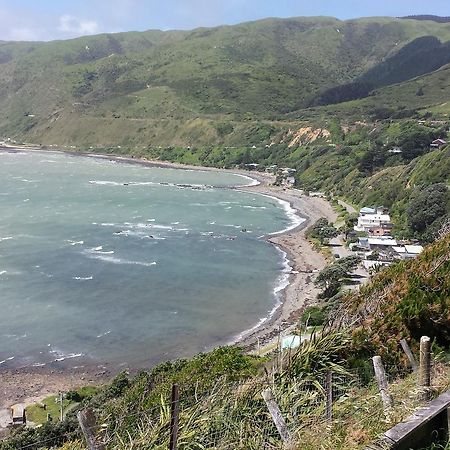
314, 316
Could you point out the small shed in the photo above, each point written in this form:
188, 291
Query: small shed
18, 415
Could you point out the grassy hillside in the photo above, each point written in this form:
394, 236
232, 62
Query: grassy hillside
171, 88
407, 300
419, 97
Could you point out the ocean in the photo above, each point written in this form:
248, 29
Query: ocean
109, 263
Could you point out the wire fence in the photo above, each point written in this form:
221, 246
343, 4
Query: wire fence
234, 415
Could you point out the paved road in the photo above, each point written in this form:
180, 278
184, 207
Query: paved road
348, 207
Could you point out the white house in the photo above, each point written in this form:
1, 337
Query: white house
369, 221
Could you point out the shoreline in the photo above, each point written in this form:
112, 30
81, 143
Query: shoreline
302, 259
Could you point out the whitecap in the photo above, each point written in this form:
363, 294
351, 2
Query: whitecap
114, 260
7, 359
105, 183
103, 334
253, 181
75, 242
161, 227
253, 207
69, 356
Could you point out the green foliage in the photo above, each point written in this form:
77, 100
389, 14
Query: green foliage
225, 85
313, 316
333, 276
427, 206
406, 300
318, 355
322, 230
54, 434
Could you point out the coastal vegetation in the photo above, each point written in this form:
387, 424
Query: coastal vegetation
351, 119
355, 120
227, 86
220, 392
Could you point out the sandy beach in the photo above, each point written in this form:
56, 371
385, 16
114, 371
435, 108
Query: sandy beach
29, 386
304, 261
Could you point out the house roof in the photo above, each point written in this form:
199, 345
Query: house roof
368, 264
414, 249
380, 241
380, 217
367, 210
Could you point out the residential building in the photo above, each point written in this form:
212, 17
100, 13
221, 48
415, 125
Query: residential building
407, 251
374, 221
438, 143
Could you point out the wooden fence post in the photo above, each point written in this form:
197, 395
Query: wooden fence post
61, 407
175, 412
86, 419
329, 394
425, 368
275, 412
380, 376
448, 423
409, 354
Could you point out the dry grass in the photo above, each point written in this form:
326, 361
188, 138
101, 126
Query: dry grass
359, 418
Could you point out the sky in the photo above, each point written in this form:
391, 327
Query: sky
64, 19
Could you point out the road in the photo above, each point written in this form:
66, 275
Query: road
350, 209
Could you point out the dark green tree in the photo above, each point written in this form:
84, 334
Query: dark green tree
427, 206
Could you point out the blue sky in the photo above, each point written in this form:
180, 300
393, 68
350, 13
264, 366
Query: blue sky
63, 19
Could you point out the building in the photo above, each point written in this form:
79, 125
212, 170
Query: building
287, 171
377, 243
438, 143
377, 223
371, 265
407, 251
367, 210
290, 181
18, 415
272, 169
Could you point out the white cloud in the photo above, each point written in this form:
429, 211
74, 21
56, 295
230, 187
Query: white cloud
73, 25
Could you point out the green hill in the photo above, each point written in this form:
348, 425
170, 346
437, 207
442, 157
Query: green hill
172, 88
421, 56
405, 301
421, 97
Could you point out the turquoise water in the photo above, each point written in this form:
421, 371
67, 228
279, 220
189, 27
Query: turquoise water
117, 263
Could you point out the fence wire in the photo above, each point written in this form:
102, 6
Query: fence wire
234, 415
